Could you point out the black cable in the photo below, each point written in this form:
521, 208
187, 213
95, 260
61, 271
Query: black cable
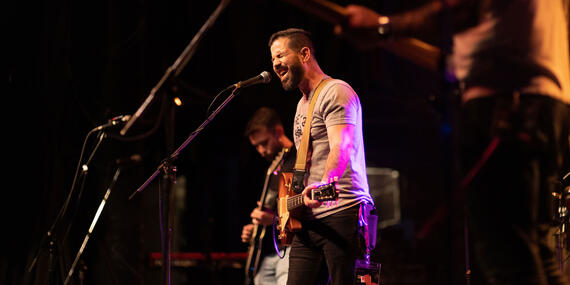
82, 188
216, 97
50, 233
149, 132
78, 167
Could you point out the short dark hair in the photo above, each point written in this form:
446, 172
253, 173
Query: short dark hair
298, 39
264, 117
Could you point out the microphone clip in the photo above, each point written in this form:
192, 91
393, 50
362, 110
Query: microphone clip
114, 122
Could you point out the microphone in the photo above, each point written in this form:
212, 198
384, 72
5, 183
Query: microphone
132, 159
264, 77
114, 121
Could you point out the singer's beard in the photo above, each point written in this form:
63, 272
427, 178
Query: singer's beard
296, 74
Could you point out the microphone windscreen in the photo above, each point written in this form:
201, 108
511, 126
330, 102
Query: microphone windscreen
266, 76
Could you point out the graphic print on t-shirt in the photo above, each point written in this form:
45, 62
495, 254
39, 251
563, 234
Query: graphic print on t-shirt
299, 125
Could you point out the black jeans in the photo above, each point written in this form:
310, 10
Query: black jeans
510, 206
331, 243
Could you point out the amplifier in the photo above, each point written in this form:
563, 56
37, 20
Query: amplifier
384, 186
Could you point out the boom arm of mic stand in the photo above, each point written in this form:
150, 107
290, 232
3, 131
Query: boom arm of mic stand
166, 163
168, 169
178, 65
162, 167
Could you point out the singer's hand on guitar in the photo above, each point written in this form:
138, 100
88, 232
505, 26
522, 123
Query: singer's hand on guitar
260, 217
246, 233
307, 196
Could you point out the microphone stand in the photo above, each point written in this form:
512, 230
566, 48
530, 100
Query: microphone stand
166, 166
50, 234
179, 64
92, 226
169, 171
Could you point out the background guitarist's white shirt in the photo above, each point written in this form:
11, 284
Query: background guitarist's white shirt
336, 104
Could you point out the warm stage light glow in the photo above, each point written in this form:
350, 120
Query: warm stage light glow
177, 101
383, 20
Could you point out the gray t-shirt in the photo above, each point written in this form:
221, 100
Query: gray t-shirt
337, 104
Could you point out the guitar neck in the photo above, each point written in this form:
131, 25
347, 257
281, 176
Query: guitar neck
274, 165
326, 192
294, 202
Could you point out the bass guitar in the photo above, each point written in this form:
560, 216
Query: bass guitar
256, 241
288, 202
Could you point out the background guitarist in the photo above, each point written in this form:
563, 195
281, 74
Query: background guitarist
329, 236
265, 132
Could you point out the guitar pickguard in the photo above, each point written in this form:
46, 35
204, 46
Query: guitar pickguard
287, 224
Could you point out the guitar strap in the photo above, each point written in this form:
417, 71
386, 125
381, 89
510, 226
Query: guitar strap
298, 183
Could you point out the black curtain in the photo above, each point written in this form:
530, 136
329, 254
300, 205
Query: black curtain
73, 65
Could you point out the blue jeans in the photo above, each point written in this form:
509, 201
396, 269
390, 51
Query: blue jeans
273, 269
331, 243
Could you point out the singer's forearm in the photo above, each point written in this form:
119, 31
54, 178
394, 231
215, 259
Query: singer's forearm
341, 139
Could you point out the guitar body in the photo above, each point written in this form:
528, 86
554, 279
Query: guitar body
256, 241
288, 202
287, 224
254, 253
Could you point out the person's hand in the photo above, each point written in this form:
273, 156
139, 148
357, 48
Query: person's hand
307, 195
246, 233
260, 217
315, 203
361, 17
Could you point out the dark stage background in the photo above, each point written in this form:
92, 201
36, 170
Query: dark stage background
72, 65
